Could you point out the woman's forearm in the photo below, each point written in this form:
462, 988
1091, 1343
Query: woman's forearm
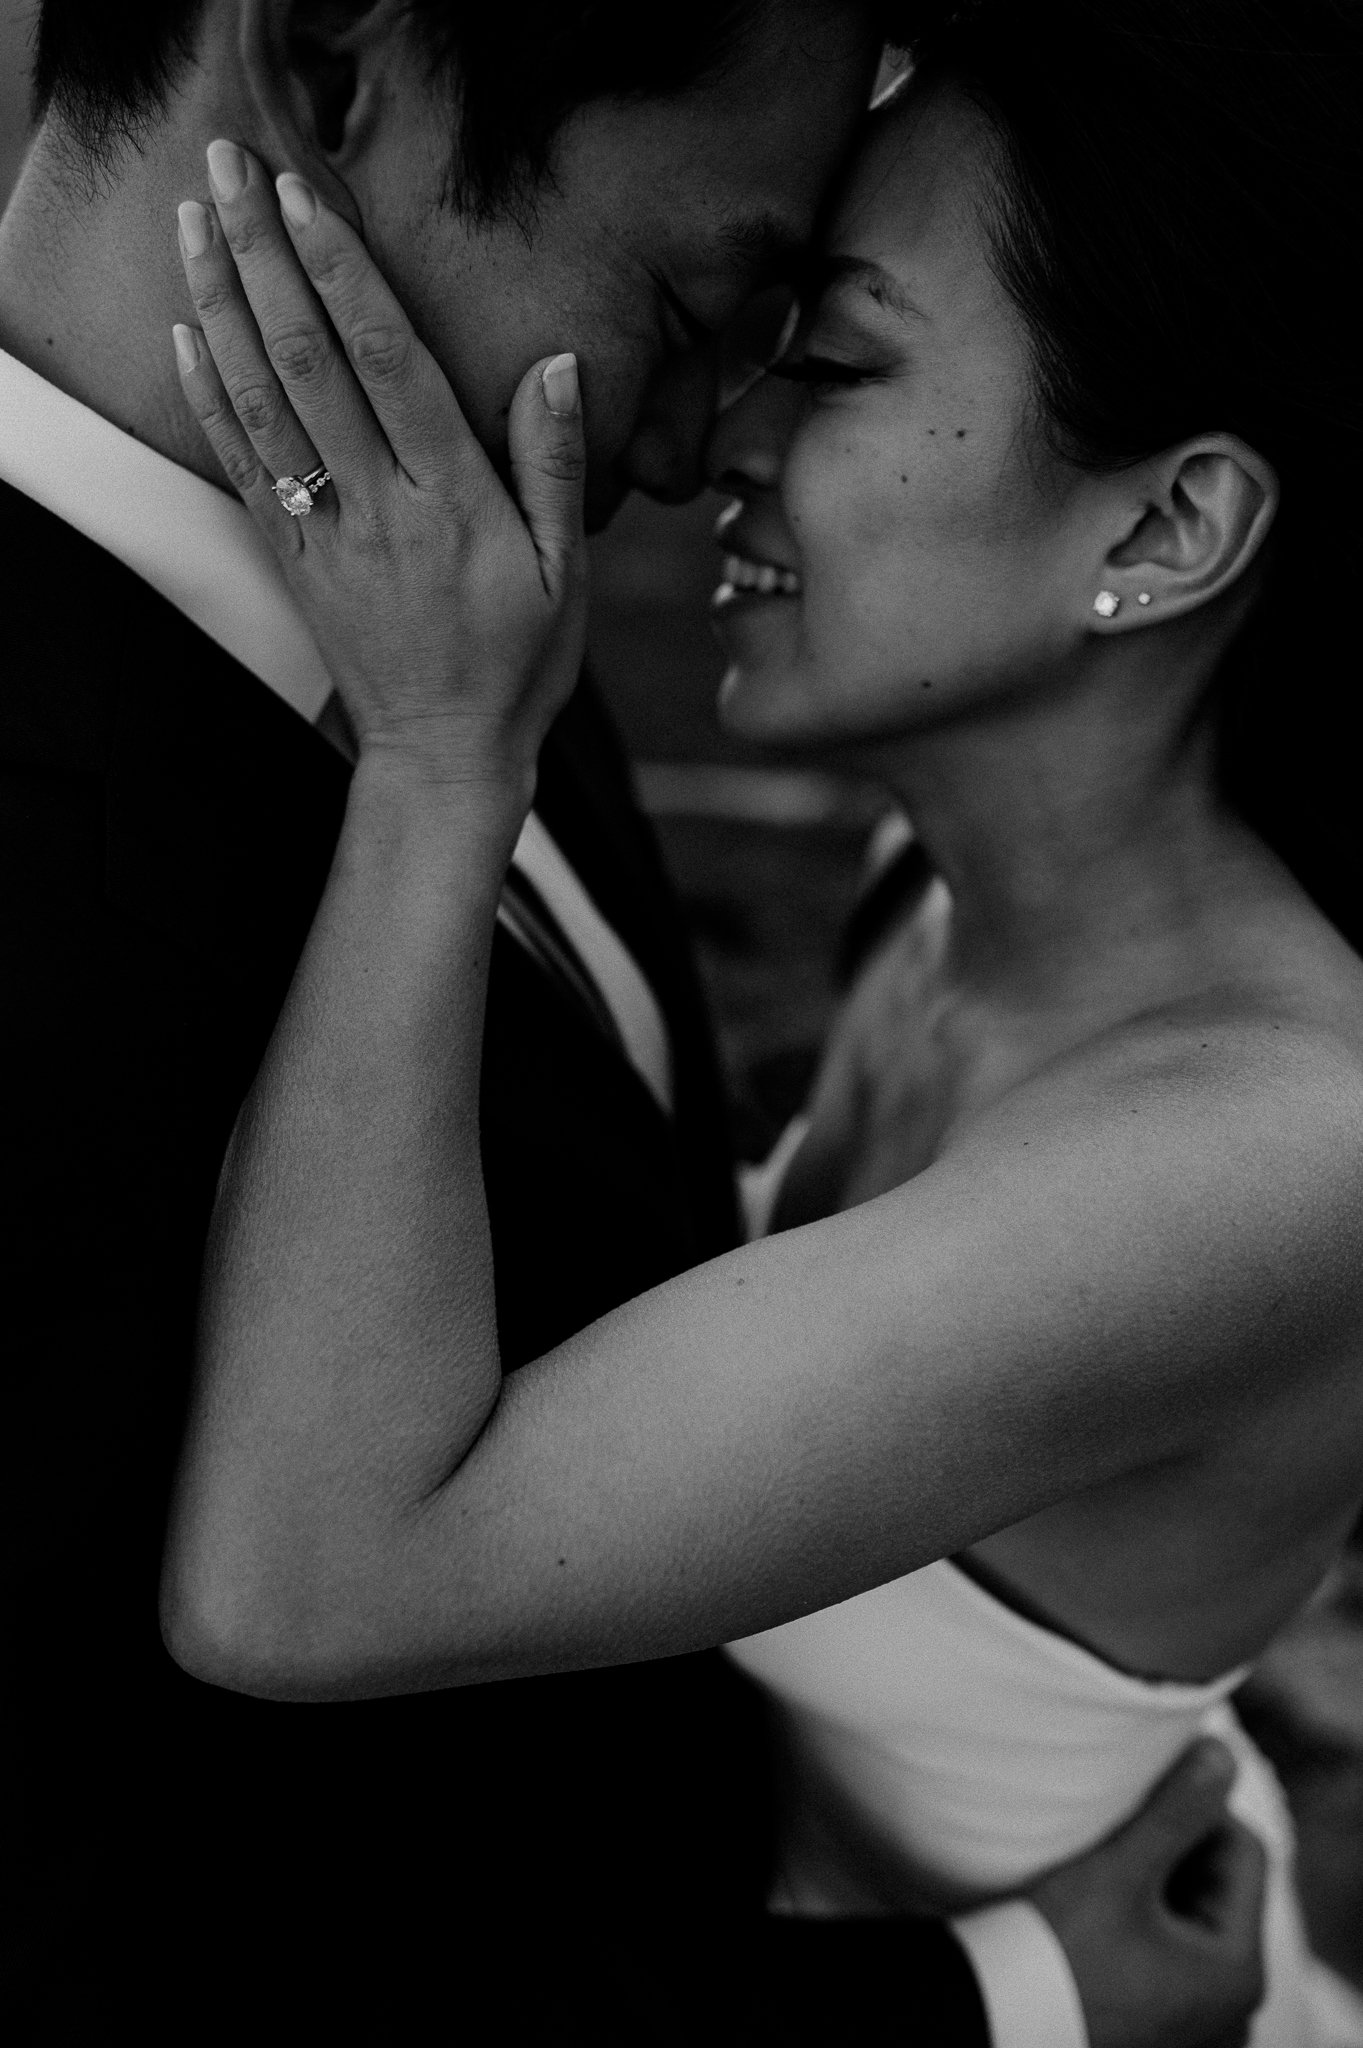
354, 1184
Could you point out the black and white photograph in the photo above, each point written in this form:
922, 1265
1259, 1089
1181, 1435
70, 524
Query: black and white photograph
681, 975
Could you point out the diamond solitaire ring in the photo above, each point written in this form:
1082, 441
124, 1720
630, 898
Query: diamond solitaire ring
296, 493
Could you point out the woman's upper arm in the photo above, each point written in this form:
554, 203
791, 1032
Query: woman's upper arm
1107, 1269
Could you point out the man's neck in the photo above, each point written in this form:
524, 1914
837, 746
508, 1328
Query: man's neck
90, 284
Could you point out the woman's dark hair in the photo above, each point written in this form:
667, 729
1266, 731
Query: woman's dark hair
1176, 216
522, 67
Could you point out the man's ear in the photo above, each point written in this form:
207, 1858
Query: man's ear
314, 70
1200, 515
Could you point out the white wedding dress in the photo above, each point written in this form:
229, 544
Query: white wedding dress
936, 1733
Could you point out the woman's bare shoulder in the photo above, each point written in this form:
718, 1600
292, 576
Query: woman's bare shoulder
1279, 1032
1238, 1109
1284, 1064
1269, 1027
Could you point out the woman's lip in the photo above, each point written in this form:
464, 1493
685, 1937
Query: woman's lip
737, 534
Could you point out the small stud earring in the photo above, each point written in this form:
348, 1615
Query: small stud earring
1107, 604
1142, 597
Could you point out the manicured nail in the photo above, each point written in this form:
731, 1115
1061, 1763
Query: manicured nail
186, 348
227, 169
297, 200
194, 228
559, 379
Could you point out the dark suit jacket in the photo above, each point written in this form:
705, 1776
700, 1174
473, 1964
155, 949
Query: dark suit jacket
578, 1854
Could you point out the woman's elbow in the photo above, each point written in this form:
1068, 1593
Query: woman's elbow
259, 1625
232, 1631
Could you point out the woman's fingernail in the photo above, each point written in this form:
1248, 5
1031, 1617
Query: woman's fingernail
559, 379
297, 200
227, 169
186, 348
194, 229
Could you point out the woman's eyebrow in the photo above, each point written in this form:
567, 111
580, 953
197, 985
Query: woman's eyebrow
882, 285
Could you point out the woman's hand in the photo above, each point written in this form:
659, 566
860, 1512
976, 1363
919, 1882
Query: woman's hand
450, 616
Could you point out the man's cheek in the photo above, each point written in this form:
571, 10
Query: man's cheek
615, 395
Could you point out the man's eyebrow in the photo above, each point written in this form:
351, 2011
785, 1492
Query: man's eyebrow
762, 238
826, 272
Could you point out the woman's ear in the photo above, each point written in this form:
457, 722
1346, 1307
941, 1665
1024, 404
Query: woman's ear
314, 70
1206, 510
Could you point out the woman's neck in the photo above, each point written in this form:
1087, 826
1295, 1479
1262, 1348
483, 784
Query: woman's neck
1083, 842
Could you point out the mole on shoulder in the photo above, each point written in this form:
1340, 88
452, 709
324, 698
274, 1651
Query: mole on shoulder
960, 433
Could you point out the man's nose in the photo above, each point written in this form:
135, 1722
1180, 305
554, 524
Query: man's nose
666, 455
746, 449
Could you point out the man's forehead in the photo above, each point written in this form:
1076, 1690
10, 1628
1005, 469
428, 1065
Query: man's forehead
744, 213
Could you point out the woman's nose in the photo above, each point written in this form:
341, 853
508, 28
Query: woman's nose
747, 446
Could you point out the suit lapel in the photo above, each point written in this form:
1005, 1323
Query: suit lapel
224, 809
586, 799
223, 806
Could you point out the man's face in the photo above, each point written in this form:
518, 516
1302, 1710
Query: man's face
660, 219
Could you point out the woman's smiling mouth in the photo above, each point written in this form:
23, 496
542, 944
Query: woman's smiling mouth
745, 578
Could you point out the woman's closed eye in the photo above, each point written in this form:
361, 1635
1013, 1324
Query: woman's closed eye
822, 372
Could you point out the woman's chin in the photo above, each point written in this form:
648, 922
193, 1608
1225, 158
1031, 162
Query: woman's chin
765, 704
756, 628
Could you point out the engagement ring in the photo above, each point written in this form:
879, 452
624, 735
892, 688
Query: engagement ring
296, 493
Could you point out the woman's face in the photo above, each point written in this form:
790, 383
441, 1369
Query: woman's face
929, 544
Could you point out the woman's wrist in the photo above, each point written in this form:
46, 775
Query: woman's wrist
451, 812
480, 786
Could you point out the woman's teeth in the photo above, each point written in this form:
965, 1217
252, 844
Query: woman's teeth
763, 577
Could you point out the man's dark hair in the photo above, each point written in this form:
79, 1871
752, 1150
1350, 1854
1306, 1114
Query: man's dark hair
522, 67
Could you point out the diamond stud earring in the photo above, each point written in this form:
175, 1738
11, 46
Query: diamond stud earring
1107, 604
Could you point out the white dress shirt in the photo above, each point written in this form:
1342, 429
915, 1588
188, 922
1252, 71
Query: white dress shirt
201, 550
1024, 1976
